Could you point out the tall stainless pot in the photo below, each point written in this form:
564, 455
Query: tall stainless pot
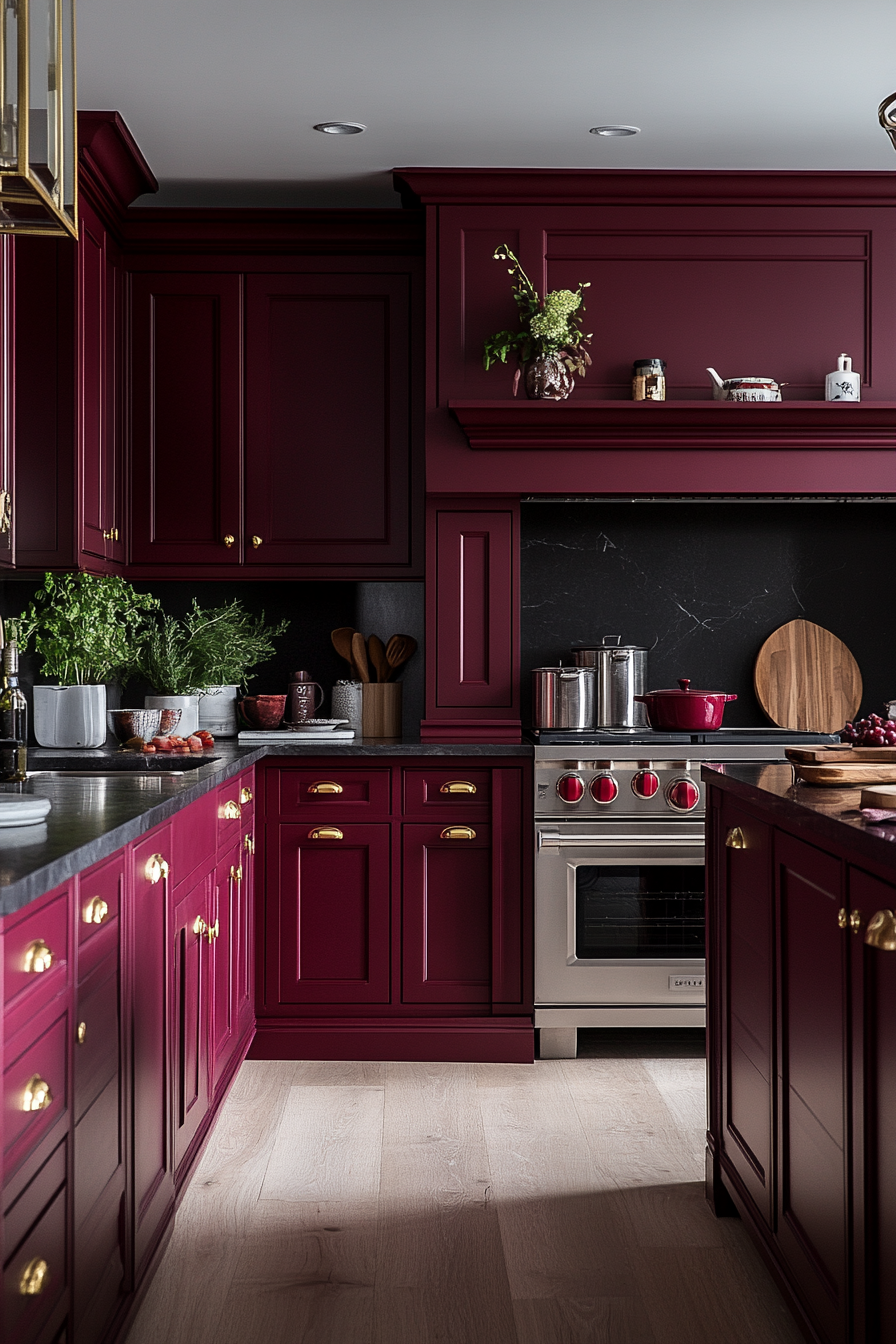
621, 674
563, 697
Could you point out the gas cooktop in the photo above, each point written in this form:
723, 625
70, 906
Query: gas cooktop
654, 737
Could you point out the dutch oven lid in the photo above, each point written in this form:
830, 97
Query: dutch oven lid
686, 689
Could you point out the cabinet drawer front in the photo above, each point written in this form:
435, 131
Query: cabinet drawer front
25, 1314
328, 935
45, 1059
36, 1196
28, 979
99, 902
236, 807
446, 789
331, 791
98, 1150
447, 913
194, 834
96, 1040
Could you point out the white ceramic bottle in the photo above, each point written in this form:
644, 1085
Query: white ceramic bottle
843, 384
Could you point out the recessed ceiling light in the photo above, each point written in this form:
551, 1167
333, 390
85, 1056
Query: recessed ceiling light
340, 127
615, 130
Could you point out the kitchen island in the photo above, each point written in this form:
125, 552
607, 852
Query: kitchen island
801, 977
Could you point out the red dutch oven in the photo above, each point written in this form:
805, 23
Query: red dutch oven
685, 710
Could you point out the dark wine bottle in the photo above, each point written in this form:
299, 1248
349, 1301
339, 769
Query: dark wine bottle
13, 720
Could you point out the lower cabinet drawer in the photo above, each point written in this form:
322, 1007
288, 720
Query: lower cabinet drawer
19, 1217
35, 1093
330, 788
36, 955
446, 789
34, 1278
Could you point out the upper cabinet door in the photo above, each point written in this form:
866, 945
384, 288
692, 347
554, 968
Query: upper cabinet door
99, 432
328, 424
186, 428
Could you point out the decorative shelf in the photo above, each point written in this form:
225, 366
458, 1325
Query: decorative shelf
676, 425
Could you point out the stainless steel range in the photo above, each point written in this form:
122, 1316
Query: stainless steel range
619, 874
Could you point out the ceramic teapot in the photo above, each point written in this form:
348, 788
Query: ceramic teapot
744, 389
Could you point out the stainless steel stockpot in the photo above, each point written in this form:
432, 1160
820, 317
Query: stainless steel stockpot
563, 697
621, 674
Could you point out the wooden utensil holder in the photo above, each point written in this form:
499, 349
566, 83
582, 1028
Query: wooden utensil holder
381, 709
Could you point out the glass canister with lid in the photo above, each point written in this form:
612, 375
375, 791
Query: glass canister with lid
620, 672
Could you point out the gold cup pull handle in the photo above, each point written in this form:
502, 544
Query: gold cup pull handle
881, 931
156, 869
96, 911
458, 786
326, 833
199, 926
735, 838
231, 810
229, 540
213, 930
325, 786
245, 794
458, 833
34, 1278
236, 872
256, 541
37, 1095
38, 957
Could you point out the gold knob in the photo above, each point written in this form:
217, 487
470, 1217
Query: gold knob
213, 930
200, 926
229, 539
107, 534
458, 786
256, 542
38, 957
325, 786
458, 833
245, 794
735, 838
34, 1278
115, 534
37, 1095
96, 911
81, 1033
842, 918
231, 810
248, 844
881, 931
236, 873
156, 869
855, 920
326, 833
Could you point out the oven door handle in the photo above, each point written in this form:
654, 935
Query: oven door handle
553, 838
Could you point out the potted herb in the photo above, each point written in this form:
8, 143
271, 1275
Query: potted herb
87, 630
208, 654
550, 344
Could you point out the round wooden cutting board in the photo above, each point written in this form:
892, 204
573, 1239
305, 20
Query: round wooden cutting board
806, 678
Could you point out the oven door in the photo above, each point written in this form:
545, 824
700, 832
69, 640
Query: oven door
619, 914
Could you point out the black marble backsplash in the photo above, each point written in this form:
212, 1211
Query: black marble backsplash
704, 584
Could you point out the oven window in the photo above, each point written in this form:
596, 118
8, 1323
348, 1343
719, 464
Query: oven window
638, 912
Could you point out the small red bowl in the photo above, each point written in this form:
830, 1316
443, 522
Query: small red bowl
263, 711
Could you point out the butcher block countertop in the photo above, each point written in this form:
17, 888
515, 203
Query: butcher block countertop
830, 816
91, 818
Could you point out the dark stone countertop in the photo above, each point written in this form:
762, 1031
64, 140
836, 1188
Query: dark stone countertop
822, 815
92, 817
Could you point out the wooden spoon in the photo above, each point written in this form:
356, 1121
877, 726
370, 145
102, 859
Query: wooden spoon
398, 651
342, 643
359, 656
377, 650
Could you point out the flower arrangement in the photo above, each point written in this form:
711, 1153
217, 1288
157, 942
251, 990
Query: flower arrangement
549, 327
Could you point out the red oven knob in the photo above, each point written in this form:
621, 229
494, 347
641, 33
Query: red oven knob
604, 788
683, 795
645, 784
571, 788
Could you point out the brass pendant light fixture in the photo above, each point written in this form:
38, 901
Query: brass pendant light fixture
887, 116
38, 151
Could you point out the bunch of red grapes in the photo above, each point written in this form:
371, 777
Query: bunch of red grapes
871, 732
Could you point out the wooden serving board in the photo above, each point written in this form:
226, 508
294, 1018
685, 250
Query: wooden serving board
846, 776
806, 678
883, 796
845, 755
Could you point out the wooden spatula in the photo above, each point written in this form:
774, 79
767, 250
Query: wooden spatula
359, 656
342, 643
377, 651
399, 649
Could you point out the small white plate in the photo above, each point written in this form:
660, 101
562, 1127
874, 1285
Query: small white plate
314, 725
23, 811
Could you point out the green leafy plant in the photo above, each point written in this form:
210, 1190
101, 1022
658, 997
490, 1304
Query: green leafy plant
548, 326
87, 628
215, 647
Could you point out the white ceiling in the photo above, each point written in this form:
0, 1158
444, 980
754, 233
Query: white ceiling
222, 95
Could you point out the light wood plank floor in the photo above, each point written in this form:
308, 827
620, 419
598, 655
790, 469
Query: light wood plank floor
555, 1203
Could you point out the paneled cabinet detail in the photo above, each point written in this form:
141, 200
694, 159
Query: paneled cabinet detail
395, 912
802, 1079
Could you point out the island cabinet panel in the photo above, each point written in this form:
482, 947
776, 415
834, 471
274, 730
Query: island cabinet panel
191, 940
403, 936
813, 1194
186, 416
151, 974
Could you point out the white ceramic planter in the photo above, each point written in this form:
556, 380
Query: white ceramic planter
70, 716
188, 706
217, 710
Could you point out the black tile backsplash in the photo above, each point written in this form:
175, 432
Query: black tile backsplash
704, 584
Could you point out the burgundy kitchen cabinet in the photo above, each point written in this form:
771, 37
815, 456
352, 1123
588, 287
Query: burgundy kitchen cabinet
229, 985
802, 1079
192, 934
396, 911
